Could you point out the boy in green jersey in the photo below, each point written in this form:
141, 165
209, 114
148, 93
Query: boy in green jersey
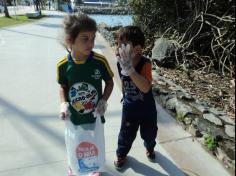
81, 72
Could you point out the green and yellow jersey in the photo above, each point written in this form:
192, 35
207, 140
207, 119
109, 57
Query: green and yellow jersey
84, 83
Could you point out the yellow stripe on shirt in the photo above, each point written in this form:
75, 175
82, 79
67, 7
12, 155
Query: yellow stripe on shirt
61, 62
103, 59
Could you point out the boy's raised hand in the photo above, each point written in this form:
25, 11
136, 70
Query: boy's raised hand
125, 60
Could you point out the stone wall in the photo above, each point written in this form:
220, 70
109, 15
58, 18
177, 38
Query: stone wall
212, 128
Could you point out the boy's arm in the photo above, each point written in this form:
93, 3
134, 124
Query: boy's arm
141, 82
62, 93
108, 89
64, 105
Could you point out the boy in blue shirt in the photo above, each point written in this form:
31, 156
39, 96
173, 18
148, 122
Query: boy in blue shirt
139, 109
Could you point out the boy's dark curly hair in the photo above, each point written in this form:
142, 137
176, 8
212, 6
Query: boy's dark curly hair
133, 34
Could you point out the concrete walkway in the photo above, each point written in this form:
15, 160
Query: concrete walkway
31, 135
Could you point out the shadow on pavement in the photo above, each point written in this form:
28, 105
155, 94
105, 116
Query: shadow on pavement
34, 35
141, 168
55, 16
34, 120
50, 25
168, 165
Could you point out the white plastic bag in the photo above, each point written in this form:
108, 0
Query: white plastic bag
85, 146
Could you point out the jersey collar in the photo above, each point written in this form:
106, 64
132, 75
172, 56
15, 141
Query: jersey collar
70, 59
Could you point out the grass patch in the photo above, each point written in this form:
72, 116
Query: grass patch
180, 117
209, 141
14, 20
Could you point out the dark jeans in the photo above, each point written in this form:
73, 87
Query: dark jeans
131, 121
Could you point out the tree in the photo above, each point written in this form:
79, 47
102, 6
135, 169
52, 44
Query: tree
38, 4
121, 2
203, 30
6, 9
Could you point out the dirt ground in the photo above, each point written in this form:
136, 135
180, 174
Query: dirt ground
218, 92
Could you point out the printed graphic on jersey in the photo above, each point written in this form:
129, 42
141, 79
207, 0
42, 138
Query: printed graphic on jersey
83, 97
87, 155
131, 91
97, 74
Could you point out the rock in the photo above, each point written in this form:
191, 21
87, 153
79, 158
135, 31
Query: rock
164, 91
162, 51
220, 154
212, 118
187, 121
216, 112
183, 109
200, 108
232, 83
163, 99
171, 103
230, 130
194, 131
162, 83
155, 75
227, 119
203, 103
185, 96
204, 125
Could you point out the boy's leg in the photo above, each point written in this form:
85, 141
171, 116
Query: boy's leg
128, 132
148, 132
126, 137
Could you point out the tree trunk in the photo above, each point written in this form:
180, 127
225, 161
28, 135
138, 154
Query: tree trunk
6, 9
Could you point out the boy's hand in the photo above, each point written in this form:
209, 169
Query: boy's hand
100, 109
64, 111
125, 60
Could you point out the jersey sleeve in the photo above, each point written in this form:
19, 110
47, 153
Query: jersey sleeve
146, 71
107, 73
61, 72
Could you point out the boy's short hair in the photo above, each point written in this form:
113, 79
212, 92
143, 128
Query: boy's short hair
133, 34
75, 23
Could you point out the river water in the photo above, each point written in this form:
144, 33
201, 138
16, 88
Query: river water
113, 20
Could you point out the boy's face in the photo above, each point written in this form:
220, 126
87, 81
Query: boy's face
84, 42
133, 50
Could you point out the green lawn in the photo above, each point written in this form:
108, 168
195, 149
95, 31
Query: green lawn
14, 20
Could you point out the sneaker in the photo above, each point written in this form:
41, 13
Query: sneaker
151, 155
119, 162
95, 174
